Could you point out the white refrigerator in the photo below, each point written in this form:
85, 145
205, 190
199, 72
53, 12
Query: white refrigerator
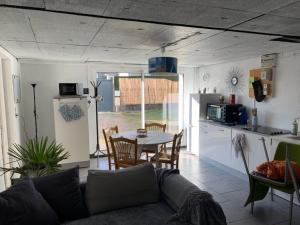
72, 129
198, 107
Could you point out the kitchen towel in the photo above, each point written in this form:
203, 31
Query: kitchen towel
235, 142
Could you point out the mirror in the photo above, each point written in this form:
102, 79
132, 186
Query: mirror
234, 81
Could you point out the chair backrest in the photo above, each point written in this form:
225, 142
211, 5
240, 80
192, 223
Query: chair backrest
107, 132
124, 150
293, 152
155, 127
176, 144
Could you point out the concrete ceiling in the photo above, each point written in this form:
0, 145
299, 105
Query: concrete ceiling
39, 34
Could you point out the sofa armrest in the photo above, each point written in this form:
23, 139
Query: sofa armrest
175, 189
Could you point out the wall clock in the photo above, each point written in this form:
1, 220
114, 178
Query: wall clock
234, 80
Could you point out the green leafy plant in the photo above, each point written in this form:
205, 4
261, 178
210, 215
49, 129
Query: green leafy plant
36, 158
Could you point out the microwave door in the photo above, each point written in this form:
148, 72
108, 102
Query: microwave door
219, 113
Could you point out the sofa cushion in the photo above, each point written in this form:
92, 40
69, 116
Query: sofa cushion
109, 190
62, 191
22, 204
149, 214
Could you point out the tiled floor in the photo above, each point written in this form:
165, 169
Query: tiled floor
230, 191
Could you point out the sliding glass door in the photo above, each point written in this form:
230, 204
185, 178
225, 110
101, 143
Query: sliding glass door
130, 100
161, 101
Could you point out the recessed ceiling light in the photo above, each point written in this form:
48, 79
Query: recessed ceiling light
140, 29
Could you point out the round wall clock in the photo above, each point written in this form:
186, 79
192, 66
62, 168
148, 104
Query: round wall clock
234, 80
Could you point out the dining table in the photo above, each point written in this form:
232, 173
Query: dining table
153, 139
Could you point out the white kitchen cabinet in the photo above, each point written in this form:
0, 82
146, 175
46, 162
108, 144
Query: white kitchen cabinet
215, 142
257, 154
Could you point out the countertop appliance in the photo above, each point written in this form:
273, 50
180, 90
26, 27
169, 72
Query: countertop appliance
224, 113
198, 106
70, 89
267, 130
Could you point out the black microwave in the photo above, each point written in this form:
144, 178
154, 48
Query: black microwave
224, 113
70, 89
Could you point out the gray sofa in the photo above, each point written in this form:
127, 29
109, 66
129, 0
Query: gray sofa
179, 203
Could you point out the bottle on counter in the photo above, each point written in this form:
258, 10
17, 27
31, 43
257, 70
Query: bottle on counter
254, 117
294, 130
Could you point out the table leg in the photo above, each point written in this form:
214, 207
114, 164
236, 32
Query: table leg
157, 156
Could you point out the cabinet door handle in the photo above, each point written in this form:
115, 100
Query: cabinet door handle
221, 130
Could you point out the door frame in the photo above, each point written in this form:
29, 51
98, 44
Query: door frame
3, 131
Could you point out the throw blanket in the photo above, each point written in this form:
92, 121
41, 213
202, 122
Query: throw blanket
199, 208
235, 142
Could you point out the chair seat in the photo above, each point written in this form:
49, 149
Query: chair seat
162, 157
128, 163
287, 188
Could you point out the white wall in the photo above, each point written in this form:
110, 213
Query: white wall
9, 110
48, 75
278, 111
10, 67
188, 86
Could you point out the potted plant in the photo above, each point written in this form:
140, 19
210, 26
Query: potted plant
36, 158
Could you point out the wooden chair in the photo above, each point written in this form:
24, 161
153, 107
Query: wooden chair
154, 127
107, 132
173, 158
125, 152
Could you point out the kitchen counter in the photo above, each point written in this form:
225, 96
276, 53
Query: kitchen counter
288, 138
221, 124
244, 128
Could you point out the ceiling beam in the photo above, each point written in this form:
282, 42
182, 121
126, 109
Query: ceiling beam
146, 21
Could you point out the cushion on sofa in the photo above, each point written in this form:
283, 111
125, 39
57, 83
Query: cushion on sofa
22, 204
109, 190
62, 191
149, 214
